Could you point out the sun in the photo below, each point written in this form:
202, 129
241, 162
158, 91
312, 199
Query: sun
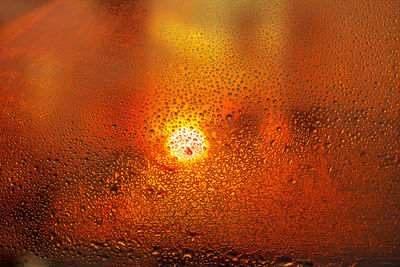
187, 143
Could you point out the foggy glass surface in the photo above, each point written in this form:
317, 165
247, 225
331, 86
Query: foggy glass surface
295, 115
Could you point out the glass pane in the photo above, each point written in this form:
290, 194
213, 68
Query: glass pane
200, 132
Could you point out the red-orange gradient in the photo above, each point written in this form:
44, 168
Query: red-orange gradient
299, 113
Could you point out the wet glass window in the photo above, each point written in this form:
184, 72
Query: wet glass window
187, 133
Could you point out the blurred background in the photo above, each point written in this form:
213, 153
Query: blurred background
298, 101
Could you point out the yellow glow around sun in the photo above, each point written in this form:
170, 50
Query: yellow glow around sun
187, 143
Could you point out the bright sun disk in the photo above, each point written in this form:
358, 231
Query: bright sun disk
187, 143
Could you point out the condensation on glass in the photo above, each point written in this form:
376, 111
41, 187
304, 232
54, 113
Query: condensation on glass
200, 132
